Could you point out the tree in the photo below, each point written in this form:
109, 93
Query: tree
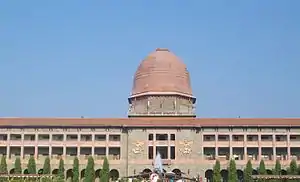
277, 169
75, 170
31, 166
47, 166
217, 172
89, 175
61, 171
248, 172
104, 174
293, 169
3, 165
262, 170
3, 168
232, 174
18, 167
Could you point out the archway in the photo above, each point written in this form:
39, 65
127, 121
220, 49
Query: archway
55, 171
283, 172
240, 174
12, 171
224, 174
114, 174
82, 173
40, 171
147, 170
69, 173
209, 175
177, 172
269, 171
25, 171
254, 172
97, 173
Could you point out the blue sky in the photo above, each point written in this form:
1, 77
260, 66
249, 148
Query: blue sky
77, 58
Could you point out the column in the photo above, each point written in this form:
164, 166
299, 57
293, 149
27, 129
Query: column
274, 147
8, 146
36, 147
169, 146
245, 148
64, 146
259, 147
216, 146
230, 147
50, 146
288, 146
93, 144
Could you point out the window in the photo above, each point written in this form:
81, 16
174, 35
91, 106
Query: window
150, 137
150, 152
172, 148
172, 137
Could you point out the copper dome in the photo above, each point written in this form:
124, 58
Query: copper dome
161, 72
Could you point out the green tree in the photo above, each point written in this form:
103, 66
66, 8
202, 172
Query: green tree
89, 175
18, 166
277, 169
293, 169
232, 174
3, 165
248, 172
75, 170
262, 170
3, 168
61, 171
47, 169
47, 166
104, 174
31, 166
217, 172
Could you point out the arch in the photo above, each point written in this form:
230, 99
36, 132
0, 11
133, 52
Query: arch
25, 171
82, 173
209, 175
177, 171
224, 174
147, 170
12, 171
97, 173
114, 174
283, 172
254, 172
269, 171
40, 171
55, 171
240, 174
69, 173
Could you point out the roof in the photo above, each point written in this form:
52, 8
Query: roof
149, 122
160, 72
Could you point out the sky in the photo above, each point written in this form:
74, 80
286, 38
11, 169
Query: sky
77, 58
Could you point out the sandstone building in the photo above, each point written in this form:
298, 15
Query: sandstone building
161, 117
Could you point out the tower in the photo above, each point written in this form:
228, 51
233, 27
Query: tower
161, 87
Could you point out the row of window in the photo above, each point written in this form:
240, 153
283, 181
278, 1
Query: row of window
251, 137
61, 137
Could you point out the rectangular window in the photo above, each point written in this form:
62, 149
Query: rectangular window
150, 152
172, 148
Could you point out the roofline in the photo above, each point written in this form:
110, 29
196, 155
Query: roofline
162, 93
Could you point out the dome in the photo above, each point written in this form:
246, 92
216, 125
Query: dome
161, 72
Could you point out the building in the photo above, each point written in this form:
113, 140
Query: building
161, 117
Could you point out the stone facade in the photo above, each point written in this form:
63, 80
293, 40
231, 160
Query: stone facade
190, 150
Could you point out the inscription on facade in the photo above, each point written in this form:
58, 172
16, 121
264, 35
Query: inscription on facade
138, 147
186, 147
